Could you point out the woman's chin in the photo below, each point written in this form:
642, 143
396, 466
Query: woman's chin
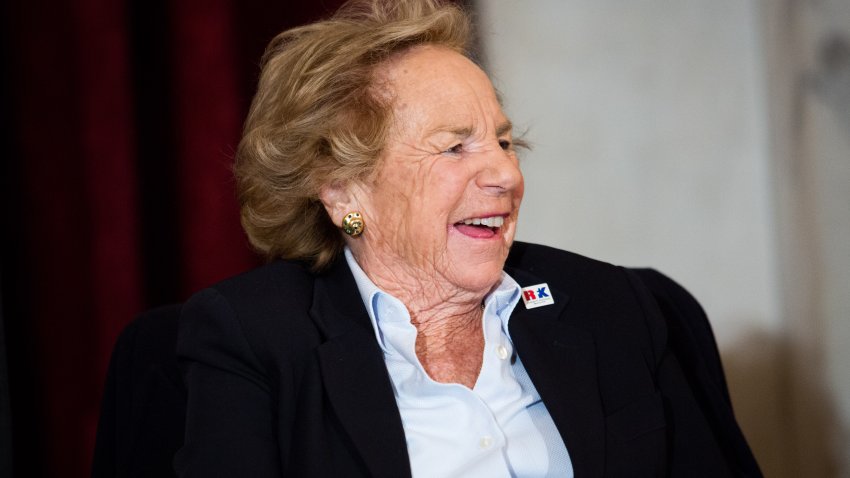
479, 279
478, 263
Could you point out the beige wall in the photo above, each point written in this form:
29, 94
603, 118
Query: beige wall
807, 58
704, 138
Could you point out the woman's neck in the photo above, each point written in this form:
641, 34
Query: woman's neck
433, 301
448, 320
450, 348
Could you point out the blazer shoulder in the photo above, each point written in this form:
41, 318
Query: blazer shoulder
268, 305
556, 264
604, 298
276, 283
277, 289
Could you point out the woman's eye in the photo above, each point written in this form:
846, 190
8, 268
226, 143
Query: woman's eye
456, 149
505, 144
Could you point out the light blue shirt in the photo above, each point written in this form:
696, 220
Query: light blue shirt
499, 428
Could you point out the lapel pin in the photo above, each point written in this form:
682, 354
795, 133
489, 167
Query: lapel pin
537, 296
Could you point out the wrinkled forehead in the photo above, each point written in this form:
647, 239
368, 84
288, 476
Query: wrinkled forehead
436, 84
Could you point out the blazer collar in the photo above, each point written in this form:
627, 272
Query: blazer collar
354, 374
560, 358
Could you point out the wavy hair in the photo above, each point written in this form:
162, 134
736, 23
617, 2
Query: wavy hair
316, 119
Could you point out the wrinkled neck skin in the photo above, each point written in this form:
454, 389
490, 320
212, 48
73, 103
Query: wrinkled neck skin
448, 320
432, 301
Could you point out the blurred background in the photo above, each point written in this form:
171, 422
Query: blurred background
709, 139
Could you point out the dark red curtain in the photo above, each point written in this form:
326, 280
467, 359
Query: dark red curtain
119, 122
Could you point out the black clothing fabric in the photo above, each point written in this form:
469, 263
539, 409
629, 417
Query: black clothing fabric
284, 378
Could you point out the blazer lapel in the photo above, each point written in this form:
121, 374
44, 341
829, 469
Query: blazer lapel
560, 358
355, 376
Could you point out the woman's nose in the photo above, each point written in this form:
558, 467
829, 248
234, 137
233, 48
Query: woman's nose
500, 172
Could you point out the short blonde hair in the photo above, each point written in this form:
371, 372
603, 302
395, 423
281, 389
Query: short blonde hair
314, 120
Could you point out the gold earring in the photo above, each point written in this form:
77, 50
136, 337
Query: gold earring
352, 224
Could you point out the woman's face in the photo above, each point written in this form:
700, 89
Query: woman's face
449, 166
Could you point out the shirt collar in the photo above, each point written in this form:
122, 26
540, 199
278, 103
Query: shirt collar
503, 299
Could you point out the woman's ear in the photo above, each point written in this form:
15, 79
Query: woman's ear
338, 199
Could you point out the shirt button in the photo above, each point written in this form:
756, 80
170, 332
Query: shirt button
502, 351
485, 442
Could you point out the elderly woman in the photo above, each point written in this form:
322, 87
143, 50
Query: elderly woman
388, 336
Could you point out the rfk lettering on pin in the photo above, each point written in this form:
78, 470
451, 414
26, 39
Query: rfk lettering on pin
537, 295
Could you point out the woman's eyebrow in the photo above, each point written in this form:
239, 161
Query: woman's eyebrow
465, 131
504, 128
459, 131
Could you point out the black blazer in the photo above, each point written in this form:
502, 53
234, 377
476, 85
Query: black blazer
285, 378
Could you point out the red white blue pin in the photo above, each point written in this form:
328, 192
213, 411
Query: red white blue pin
537, 296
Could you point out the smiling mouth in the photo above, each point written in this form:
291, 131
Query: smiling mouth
480, 227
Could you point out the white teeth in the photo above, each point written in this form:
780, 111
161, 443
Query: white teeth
495, 221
